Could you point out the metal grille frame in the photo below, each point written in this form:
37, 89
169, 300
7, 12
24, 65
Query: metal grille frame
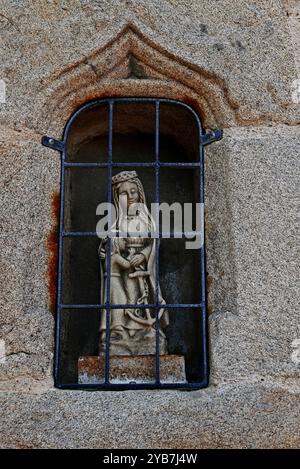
205, 138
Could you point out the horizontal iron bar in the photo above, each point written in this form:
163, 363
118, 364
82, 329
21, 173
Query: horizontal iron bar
120, 306
134, 164
161, 234
85, 165
134, 385
195, 164
79, 233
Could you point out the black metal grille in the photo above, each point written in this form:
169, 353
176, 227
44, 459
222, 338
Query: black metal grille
204, 139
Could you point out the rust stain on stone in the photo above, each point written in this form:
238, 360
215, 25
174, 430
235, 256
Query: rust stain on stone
209, 282
52, 249
24, 445
78, 102
195, 105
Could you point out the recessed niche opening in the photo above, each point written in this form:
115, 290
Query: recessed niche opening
134, 140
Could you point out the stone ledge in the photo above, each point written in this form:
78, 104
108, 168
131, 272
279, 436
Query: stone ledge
239, 415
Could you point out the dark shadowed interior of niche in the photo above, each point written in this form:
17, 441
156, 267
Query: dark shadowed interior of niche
133, 140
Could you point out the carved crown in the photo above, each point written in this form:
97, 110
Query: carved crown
123, 176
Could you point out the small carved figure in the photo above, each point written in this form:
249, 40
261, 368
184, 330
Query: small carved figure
132, 274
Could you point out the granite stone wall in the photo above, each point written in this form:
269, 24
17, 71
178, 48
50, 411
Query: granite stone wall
236, 63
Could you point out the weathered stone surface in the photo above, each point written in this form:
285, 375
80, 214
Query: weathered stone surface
250, 415
26, 224
252, 183
126, 369
292, 8
236, 66
244, 50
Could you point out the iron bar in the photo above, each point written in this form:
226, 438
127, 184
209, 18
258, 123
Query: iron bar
120, 306
157, 308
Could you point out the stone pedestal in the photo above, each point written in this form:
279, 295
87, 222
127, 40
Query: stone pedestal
130, 368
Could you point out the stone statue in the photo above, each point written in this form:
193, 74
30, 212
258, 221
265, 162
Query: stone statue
132, 330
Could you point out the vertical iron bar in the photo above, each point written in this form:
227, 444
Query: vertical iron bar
59, 274
202, 267
157, 352
108, 248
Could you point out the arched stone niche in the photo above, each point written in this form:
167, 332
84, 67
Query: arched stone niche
133, 140
131, 65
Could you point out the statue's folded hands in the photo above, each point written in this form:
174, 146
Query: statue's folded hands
137, 260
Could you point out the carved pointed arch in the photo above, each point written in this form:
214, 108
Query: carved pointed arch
132, 65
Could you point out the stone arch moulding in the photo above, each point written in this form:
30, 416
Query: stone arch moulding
132, 65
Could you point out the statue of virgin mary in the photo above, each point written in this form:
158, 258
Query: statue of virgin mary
132, 274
